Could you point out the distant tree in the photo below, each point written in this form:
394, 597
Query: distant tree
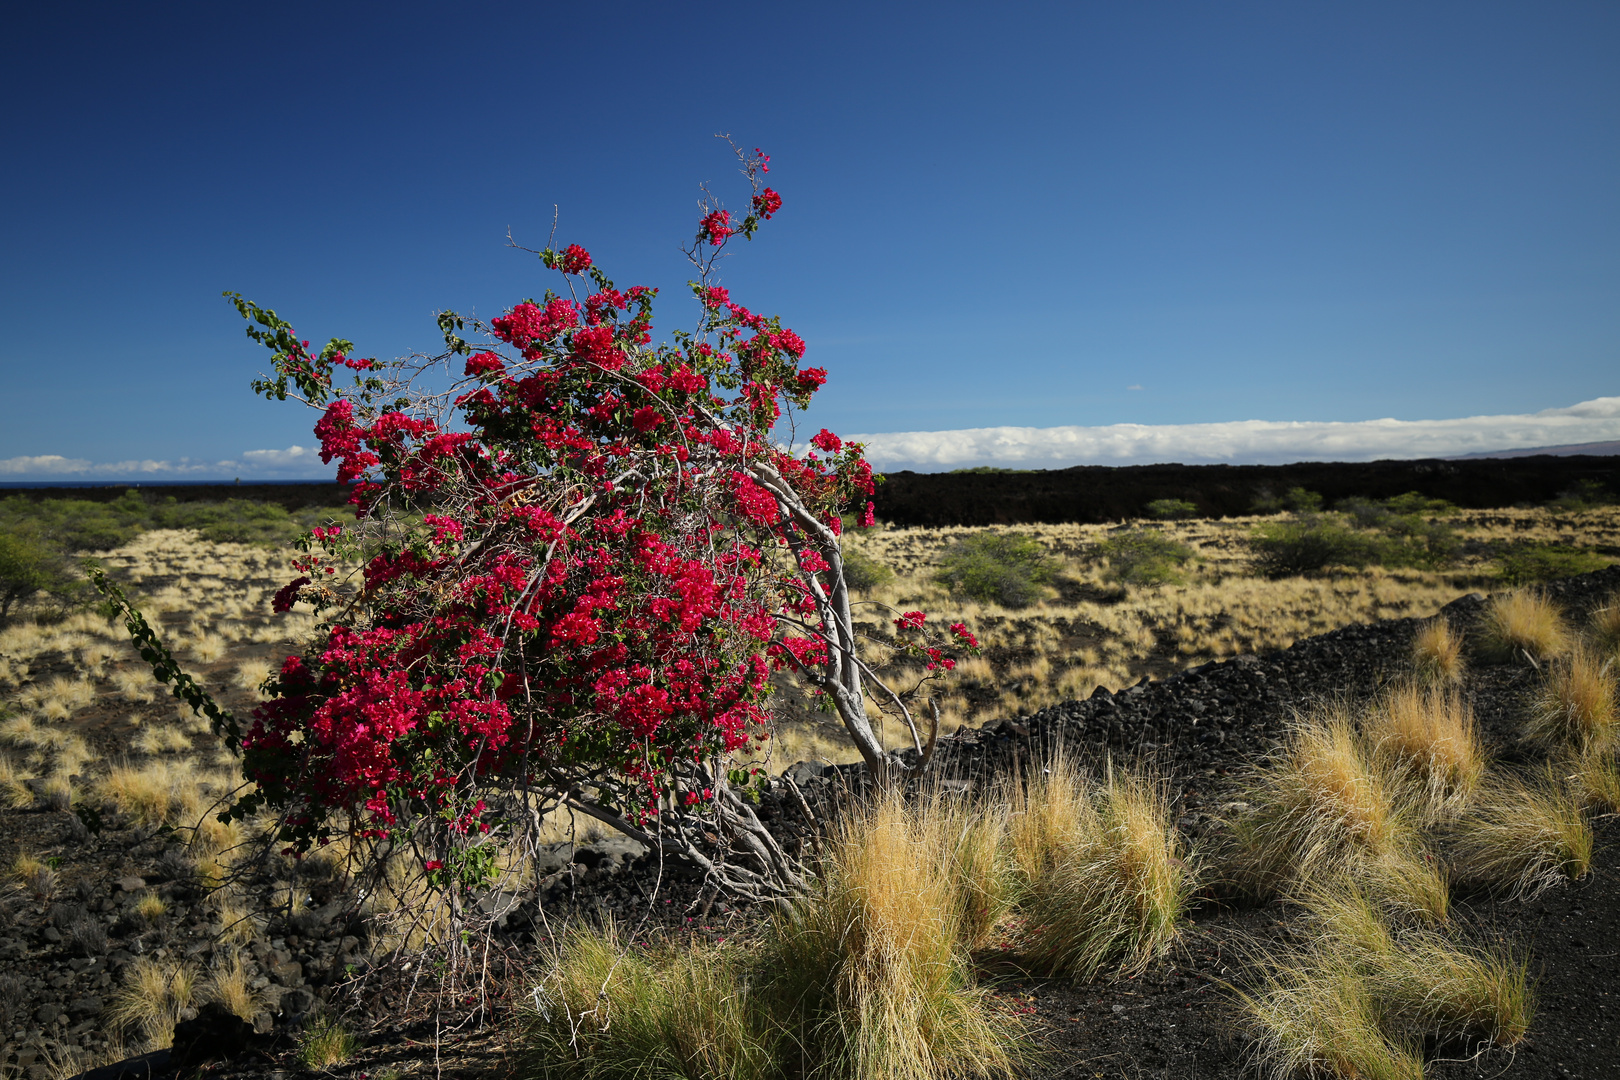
1010, 569
29, 566
1144, 557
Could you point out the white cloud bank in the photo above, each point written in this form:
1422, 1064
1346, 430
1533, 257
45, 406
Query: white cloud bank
1240, 441
1235, 442
293, 463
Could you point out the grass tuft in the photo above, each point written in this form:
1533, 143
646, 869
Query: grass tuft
1115, 894
14, 791
326, 1042
1575, 705
1523, 838
867, 975
151, 998
1603, 626
1437, 654
1362, 995
1522, 622
1321, 804
229, 983
1428, 745
603, 1011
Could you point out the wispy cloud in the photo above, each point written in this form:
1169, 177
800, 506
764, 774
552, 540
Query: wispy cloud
1240, 441
293, 463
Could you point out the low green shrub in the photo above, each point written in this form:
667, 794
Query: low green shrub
863, 572
1583, 495
1311, 543
1144, 557
1172, 509
1010, 569
30, 566
1532, 563
1361, 533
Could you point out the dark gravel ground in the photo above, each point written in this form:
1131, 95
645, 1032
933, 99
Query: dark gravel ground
1205, 727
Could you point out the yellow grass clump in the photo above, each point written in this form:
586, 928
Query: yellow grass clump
229, 983
867, 977
1109, 890
1603, 626
158, 793
14, 791
1362, 996
1523, 838
1520, 623
151, 998
1426, 741
1575, 706
1322, 803
1437, 654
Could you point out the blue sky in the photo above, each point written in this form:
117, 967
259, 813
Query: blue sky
997, 216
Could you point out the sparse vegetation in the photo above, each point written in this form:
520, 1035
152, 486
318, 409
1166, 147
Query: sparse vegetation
1171, 509
1143, 557
1437, 654
1575, 705
1009, 569
1522, 838
151, 998
325, 1042
1531, 564
1524, 622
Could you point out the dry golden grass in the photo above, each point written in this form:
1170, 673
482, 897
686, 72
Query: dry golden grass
151, 908
1322, 803
1426, 741
1409, 883
14, 790
326, 1043
229, 983
1114, 895
151, 998
1522, 623
612, 1011
1437, 654
34, 875
1317, 1016
160, 739
157, 793
1091, 632
135, 685
250, 673
1595, 778
1603, 626
1575, 706
58, 699
1047, 809
1523, 838
873, 959
58, 792
1361, 997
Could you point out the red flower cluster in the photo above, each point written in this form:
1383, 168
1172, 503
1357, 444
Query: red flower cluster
575, 260
767, 203
715, 227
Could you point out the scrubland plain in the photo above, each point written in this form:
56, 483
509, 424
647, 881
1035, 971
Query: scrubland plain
1363, 823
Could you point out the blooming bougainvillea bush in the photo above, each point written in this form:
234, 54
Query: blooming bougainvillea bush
580, 556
